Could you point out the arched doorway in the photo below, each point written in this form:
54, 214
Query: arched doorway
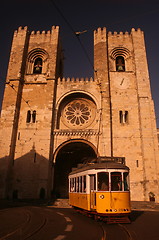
68, 157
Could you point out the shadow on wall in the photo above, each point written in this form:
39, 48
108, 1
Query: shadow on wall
27, 177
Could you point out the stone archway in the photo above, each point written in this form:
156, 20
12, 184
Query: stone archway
68, 157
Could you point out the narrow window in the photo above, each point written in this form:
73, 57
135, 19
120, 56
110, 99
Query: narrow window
15, 194
37, 66
28, 119
123, 117
137, 163
18, 135
34, 116
120, 64
126, 116
42, 193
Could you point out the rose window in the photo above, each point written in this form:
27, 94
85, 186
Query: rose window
78, 113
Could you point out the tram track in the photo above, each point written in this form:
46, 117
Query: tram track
17, 229
116, 232
103, 232
24, 230
42, 225
38, 224
129, 235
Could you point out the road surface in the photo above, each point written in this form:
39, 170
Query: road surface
47, 223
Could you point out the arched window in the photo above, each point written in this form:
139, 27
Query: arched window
31, 116
37, 61
120, 64
121, 59
38, 66
42, 193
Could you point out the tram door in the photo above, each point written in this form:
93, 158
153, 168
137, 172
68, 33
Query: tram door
93, 191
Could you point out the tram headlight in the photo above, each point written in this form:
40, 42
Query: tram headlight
101, 196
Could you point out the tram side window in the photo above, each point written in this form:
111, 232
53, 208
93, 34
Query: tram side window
126, 181
92, 182
116, 181
103, 181
80, 184
77, 184
84, 184
72, 184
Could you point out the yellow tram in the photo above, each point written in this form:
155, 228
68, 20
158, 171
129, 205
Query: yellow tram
101, 188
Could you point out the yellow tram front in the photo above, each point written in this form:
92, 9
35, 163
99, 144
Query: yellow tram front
101, 188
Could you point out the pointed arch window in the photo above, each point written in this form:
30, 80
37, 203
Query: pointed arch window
38, 66
120, 64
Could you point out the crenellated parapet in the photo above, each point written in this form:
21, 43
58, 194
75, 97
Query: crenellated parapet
137, 33
75, 80
45, 36
118, 34
21, 31
54, 29
100, 35
136, 30
125, 34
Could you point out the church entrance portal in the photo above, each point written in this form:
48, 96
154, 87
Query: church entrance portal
67, 158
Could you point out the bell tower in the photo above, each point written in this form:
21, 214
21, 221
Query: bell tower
27, 115
128, 118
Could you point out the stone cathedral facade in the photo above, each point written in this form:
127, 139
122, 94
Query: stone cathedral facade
49, 123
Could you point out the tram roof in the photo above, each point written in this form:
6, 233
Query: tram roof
100, 164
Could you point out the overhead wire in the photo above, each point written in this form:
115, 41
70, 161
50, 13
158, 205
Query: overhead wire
75, 33
13, 87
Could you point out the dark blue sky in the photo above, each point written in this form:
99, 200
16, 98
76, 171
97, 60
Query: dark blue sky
116, 15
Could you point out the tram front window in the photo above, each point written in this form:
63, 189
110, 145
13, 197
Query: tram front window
103, 181
116, 181
126, 181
